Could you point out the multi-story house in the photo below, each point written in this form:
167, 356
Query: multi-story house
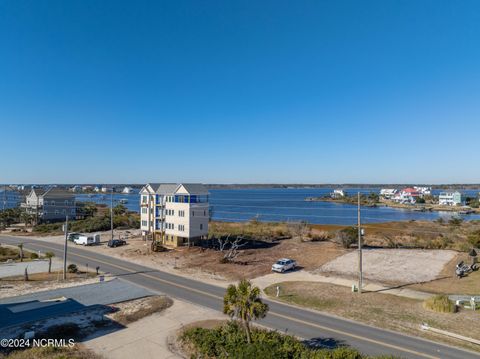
174, 214
453, 198
388, 193
407, 196
51, 205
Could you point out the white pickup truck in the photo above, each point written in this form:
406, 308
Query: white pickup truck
284, 264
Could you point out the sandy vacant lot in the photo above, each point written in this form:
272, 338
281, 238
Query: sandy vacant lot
392, 265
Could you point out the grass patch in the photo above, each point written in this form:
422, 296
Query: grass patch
13, 253
318, 303
141, 309
52, 353
440, 303
229, 341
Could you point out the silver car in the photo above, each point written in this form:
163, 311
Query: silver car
284, 264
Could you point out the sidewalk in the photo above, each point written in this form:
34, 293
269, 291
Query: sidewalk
302, 276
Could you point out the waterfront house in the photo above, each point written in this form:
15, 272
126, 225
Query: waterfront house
174, 214
106, 189
424, 191
76, 189
407, 196
451, 198
51, 205
127, 190
388, 193
338, 193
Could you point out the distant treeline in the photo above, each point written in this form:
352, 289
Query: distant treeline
342, 185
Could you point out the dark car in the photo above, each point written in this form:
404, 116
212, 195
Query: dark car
116, 243
72, 236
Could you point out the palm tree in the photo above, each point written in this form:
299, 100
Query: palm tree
20, 246
49, 255
244, 303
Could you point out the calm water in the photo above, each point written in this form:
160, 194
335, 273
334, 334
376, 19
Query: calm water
289, 205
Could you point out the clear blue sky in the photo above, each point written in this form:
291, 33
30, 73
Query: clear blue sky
239, 91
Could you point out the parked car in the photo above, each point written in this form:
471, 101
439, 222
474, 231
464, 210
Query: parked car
116, 243
284, 264
72, 236
87, 240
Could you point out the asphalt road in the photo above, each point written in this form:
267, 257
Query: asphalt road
321, 328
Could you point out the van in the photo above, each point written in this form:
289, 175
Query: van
87, 240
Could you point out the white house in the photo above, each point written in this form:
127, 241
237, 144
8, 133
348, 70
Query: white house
452, 198
407, 196
174, 214
127, 190
338, 193
424, 191
388, 193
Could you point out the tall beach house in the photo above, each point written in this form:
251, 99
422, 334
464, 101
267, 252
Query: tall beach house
174, 214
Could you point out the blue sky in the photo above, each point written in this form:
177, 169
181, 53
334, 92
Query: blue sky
239, 91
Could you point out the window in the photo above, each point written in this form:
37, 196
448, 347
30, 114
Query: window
201, 226
193, 213
64, 211
144, 210
56, 211
72, 211
204, 212
181, 213
144, 199
181, 227
66, 202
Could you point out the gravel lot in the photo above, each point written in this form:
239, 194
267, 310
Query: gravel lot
36, 266
392, 265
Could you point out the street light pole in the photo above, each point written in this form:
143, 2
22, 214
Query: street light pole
360, 274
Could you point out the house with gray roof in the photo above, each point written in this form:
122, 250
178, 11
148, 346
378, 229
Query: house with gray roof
50, 205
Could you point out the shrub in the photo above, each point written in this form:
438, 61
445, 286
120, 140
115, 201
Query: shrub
319, 237
440, 303
346, 237
229, 341
72, 268
33, 255
455, 222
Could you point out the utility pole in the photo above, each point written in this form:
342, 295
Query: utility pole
65, 250
360, 274
111, 212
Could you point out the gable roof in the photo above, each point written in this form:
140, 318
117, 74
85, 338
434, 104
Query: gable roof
194, 188
37, 191
167, 188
